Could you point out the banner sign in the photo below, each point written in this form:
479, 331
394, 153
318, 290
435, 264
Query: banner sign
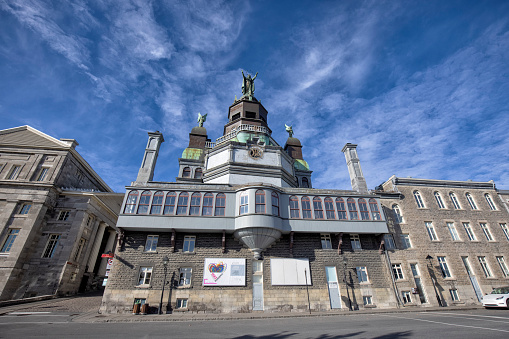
224, 272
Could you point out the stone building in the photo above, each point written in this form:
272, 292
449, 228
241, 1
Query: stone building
449, 240
241, 229
57, 217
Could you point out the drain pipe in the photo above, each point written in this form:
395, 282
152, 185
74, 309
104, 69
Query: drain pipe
394, 286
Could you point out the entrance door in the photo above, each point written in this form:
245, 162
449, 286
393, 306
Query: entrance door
257, 285
332, 283
473, 279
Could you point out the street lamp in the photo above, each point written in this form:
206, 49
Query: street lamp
165, 263
345, 263
430, 269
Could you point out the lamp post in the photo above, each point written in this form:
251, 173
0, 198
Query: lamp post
165, 263
345, 263
430, 269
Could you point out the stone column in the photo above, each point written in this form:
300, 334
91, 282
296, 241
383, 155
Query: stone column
109, 247
95, 248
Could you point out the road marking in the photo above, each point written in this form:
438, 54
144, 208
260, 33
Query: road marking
459, 315
469, 315
36, 322
439, 322
29, 313
10, 315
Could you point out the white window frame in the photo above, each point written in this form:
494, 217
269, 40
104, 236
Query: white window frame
486, 231
453, 231
185, 276
405, 240
431, 231
63, 215
14, 172
490, 202
454, 294
470, 232
397, 272
505, 229
503, 266
471, 201
51, 245
439, 200
244, 203
367, 300
355, 240
455, 201
189, 241
24, 208
362, 274
145, 276
446, 273
181, 303
418, 200
397, 212
389, 241
151, 243
326, 241
407, 297
485, 266
12, 234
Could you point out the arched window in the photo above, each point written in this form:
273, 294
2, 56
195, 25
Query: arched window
208, 200
306, 208
144, 202
186, 172
195, 204
157, 203
294, 207
275, 203
329, 208
397, 213
305, 182
363, 208
352, 208
438, 198
490, 202
471, 201
130, 204
375, 212
182, 203
198, 173
260, 201
244, 201
169, 203
317, 207
454, 200
340, 205
220, 203
418, 199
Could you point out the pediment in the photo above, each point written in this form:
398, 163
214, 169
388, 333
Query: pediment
26, 136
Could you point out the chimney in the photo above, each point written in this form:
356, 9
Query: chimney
146, 172
354, 168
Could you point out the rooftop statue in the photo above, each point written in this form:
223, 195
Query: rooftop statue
201, 119
289, 129
248, 87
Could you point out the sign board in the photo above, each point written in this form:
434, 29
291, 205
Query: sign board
224, 272
290, 271
105, 280
108, 265
107, 255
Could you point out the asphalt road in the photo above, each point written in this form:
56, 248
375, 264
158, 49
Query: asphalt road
447, 324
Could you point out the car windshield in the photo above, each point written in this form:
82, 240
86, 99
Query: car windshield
500, 290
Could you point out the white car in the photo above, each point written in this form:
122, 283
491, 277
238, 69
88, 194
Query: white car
499, 297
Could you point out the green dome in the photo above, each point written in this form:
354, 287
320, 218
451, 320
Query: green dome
192, 153
301, 165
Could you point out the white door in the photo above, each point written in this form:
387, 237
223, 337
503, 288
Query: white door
257, 285
332, 283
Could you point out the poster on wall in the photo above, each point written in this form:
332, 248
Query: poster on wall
290, 271
224, 272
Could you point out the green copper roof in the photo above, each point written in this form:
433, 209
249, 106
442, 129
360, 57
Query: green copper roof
192, 153
301, 165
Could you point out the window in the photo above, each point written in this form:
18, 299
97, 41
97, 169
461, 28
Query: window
198, 173
305, 182
503, 266
14, 172
294, 207
24, 208
418, 199
471, 201
484, 266
130, 203
470, 232
363, 208
275, 203
189, 241
182, 203
375, 212
431, 231
195, 204
185, 276
439, 200
486, 231
151, 243
140, 301
362, 274
89, 220
42, 174
157, 203
63, 215
490, 202
397, 213
329, 208
260, 201
352, 208
186, 172
326, 241
144, 202
454, 294
367, 299
405, 241
208, 200
389, 242
355, 241
454, 200
453, 232
181, 303
340, 205
81, 245
169, 203
51, 246
306, 208
407, 297
397, 271
505, 230
11, 236
444, 267
317, 207
244, 200
145, 275
220, 204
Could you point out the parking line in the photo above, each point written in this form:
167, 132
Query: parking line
470, 315
459, 315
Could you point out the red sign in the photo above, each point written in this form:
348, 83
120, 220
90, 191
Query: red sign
107, 255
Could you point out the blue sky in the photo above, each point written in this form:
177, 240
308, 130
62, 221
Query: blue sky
421, 86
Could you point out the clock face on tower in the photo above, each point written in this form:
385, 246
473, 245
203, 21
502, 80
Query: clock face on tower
255, 152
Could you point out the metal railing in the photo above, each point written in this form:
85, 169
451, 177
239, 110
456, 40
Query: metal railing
233, 133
